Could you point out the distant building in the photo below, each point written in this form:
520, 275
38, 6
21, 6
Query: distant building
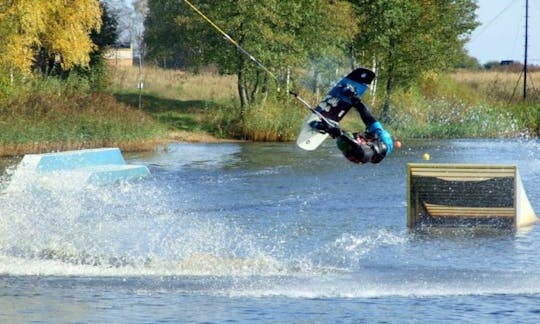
120, 54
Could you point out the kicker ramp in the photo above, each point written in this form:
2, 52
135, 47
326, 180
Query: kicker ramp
93, 166
466, 194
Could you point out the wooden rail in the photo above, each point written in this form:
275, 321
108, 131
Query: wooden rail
439, 194
468, 212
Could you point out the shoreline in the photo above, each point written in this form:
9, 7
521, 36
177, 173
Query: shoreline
20, 149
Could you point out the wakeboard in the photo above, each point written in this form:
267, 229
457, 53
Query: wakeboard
333, 107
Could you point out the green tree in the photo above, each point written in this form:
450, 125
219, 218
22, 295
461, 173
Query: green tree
103, 39
284, 35
330, 44
409, 37
467, 62
169, 34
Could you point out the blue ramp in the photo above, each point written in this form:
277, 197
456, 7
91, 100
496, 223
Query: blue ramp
93, 166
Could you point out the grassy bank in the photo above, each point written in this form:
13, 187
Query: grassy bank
201, 104
50, 115
205, 103
467, 104
461, 104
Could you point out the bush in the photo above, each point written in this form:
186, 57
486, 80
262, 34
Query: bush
58, 112
275, 120
442, 106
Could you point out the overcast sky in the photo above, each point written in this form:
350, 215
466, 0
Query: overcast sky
501, 35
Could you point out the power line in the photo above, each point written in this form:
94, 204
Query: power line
485, 26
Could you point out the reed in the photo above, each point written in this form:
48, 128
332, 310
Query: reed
273, 121
466, 104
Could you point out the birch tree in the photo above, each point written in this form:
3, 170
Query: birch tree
59, 28
409, 37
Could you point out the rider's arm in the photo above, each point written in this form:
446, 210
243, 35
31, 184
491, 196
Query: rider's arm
365, 114
373, 126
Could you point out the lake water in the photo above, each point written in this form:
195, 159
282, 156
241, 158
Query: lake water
267, 233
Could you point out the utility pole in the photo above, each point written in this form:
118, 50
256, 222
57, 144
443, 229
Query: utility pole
526, 49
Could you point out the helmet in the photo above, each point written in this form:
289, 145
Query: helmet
379, 148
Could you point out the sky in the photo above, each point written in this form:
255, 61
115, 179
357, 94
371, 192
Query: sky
501, 35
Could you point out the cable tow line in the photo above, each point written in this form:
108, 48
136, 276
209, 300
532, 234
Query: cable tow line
255, 60
230, 39
313, 110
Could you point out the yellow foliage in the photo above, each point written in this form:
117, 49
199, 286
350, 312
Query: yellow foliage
62, 27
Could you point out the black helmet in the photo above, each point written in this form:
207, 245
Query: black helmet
379, 149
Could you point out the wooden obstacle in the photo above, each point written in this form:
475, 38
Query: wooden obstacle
466, 195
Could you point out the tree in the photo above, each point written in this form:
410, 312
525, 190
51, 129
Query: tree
168, 32
97, 72
409, 37
467, 62
59, 28
330, 44
282, 34
108, 33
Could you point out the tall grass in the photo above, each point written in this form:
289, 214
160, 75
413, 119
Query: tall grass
460, 104
174, 84
500, 85
205, 103
466, 104
51, 114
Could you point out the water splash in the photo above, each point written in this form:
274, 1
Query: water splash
126, 228
347, 251
144, 229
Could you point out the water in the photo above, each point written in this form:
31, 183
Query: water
263, 233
